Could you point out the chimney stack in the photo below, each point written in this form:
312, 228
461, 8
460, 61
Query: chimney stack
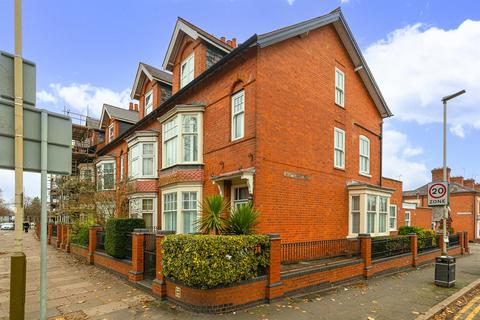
135, 107
130, 106
477, 187
458, 180
437, 174
222, 39
229, 42
234, 42
469, 183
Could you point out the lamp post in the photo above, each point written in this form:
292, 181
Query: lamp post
445, 209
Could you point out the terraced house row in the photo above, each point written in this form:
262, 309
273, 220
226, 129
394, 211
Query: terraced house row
290, 120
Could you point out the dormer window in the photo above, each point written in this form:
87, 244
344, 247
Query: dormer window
148, 102
186, 71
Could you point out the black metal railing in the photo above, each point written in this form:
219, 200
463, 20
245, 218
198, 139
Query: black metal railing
150, 256
453, 240
388, 247
322, 249
100, 245
128, 246
425, 244
54, 230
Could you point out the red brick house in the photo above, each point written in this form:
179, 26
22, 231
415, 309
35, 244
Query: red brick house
291, 120
464, 204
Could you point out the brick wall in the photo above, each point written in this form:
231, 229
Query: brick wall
79, 250
396, 199
421, 217
120, 267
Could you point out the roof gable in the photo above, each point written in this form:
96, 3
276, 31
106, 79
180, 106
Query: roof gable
338, 20
145, 71
184, 28
117, 113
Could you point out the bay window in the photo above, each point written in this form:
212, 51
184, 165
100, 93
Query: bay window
355, 214
143, 206
182, 136
180, 209
238, 115
371, 213
141, 160
106, 175
364, 155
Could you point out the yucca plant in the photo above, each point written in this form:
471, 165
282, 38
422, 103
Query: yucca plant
214, 211
243, 220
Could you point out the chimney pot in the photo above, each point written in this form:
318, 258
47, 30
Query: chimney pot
458, 180
222, 39
234, 42
469, 183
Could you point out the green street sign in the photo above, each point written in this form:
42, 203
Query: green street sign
6, 79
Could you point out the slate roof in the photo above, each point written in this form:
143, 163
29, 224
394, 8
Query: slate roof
157, 73
422, 191
92, 123
125, 115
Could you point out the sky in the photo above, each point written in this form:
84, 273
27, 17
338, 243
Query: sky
87, 53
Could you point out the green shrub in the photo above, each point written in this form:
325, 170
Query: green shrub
422, 235
79, 233
116, 231
214, 210
208, 261
406, 230
243, 220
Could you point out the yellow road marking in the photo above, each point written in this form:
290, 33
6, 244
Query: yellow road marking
466, 307
473, 313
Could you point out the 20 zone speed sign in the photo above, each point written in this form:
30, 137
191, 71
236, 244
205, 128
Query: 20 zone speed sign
438, 194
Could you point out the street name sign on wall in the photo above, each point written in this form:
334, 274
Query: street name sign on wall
438, 194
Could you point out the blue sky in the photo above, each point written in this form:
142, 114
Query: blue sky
87, 53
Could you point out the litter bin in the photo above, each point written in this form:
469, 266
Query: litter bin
445, 271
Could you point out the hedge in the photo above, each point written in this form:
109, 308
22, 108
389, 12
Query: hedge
208, 261
421, 234
79, 233
116, 231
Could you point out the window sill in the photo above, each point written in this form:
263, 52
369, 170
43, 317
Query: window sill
130, 179
339, 168
365, 174
339, 105
186, 164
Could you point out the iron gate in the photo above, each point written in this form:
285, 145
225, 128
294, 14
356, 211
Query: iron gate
150, 256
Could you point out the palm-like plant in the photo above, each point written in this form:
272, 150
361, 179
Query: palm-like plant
214, 210
243, 220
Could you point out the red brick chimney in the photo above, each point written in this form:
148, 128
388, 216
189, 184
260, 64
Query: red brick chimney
437, 174
459, 180
469, 183
130, 106
229, 42
222, 39
234, 42
135, 106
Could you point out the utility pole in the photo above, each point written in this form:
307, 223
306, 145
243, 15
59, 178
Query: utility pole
18, 260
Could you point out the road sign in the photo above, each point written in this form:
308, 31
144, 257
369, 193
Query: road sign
438, 194
6, 79
59, 139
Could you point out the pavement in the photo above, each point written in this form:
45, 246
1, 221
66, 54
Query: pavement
80, 291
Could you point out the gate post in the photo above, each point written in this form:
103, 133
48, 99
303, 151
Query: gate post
414, 248
366, 253
465, 242
49, 233
275, 287
138, 243
92, 242
59, 235
159, 286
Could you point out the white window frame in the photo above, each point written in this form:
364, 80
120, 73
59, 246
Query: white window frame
390, 217
340, 148
137, 211
122, 166
148, 107
140, 158
363, 139
340, 88
385, 213
235, 203
190, 64
110, 133
240, 114
179, 189
408, 222
178, 116
364, 193
352, 211
100, 179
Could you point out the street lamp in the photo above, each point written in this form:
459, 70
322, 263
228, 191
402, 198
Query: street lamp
445, 265
445, 210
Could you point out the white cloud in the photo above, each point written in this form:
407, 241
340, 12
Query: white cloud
79, 97
344, 1
399, 160
417, 65
290, 2
44, 96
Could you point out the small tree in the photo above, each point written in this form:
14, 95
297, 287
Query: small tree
243, 220
214, 211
